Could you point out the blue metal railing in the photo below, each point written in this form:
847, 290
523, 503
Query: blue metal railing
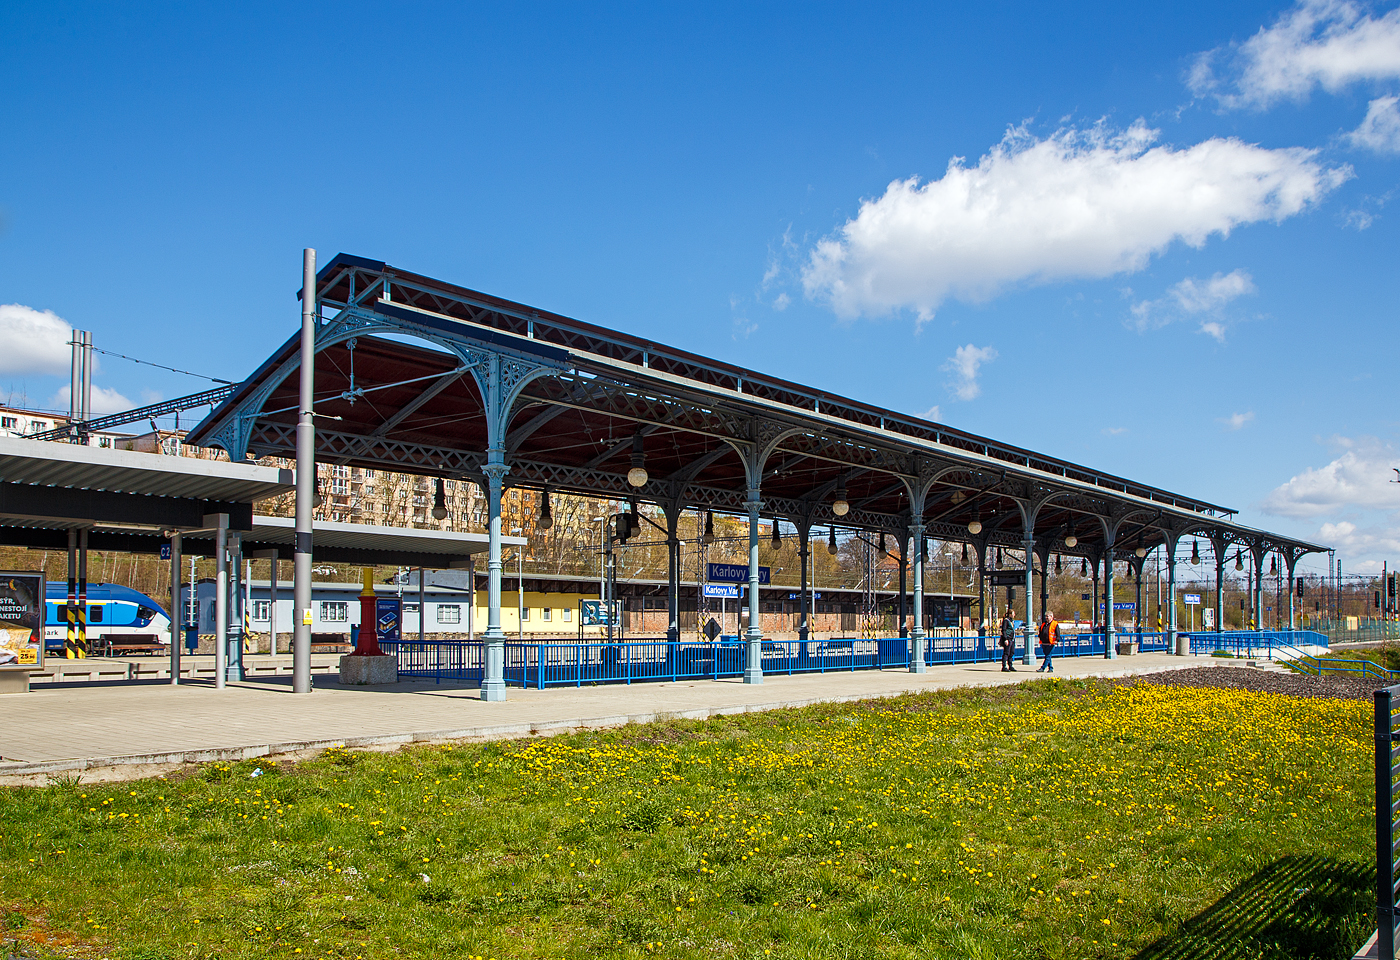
457, 661
555, 664
567, 663
573, 664
1263, 644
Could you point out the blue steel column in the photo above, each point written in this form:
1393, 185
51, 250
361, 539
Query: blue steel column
1110, 651
493, 684
753, 669
917, 658
1291, 561
1029, 545
1259, 591
673, 573
804, 553
1171, 595
1219, 588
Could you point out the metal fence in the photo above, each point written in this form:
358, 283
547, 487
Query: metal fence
1386, 866
1263, 644
458, 661
543, 664
555, 664
973, 648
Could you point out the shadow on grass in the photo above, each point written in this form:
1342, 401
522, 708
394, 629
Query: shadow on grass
1297, 907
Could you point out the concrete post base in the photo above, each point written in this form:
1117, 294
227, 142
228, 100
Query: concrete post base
1183, 646
359, 670
14, 681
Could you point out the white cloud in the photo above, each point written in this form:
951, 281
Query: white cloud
932, 413
1213, 328
1353, 541
104, 401
963, 365
1360, 478
1191, 296
1236, 421
1114, 431
781, 302
36, 341
1326, 43
1077, 204
1214, 293
1380, 131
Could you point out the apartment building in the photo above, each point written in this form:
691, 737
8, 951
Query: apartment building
19, 421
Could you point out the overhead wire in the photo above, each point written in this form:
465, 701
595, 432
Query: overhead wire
149, 363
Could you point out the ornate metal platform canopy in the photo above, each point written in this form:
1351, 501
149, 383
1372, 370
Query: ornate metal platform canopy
421, 376
416, 375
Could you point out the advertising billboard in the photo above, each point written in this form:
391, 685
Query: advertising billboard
21, 620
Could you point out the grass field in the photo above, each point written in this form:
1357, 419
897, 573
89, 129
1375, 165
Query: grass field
1055, 819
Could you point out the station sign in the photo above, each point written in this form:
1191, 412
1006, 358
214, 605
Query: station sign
165, 551
1007, 578
1194, 599
721, 591
733, 573
816, 595
1121, 605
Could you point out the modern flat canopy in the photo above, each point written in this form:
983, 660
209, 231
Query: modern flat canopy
63, 486
421, 376
331, 542
365, 544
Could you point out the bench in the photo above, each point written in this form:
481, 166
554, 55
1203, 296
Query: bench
330, 643
117, 644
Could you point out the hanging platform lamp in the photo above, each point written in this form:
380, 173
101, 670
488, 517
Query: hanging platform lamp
440, 502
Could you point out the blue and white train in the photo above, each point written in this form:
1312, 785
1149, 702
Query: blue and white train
112, 610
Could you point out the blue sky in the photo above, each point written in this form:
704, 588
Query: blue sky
1157, 241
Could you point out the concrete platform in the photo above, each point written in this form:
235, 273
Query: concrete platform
119, 669
129, 730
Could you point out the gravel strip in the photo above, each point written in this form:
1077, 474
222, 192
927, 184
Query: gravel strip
1262, 681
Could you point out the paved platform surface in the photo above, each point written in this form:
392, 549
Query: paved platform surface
143, 725
193, 667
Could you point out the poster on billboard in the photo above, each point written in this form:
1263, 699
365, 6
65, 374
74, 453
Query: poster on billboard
388, 619
21, 619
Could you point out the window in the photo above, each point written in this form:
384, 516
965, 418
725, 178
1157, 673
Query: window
260, 609
335, 611
449, 613
525, 614
94, 613
410, 608
546, 613
107, 442
9, 423
36, 425
568, 614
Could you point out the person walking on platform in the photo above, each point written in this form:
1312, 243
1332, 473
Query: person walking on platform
1008, 643
1049, 633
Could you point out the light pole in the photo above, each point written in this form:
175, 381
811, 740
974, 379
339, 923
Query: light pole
520, 583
